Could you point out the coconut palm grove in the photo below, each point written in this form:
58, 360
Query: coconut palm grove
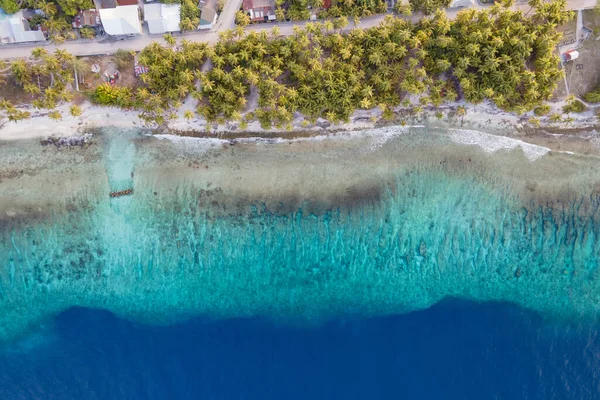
326, 71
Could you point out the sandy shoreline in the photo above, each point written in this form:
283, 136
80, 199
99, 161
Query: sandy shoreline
483, 117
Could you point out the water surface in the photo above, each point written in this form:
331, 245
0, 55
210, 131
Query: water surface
297, 232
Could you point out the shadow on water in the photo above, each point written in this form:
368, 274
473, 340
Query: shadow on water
454, 350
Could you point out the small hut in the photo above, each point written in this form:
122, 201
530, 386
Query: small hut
570, 55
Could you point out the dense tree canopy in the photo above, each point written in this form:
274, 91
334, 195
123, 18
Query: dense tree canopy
429, 6
500, 55
47, 78
72, 7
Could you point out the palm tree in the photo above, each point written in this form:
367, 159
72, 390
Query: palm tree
48, 8
87, 33
280, 14
461, 111
171, 41
55, 115
20, 70
63, 55
187, 24
242, 19
80, 65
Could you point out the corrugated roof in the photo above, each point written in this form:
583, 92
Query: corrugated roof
123, 20
162, 18
15, 29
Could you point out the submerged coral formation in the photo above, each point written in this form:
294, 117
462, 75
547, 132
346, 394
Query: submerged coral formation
434, 228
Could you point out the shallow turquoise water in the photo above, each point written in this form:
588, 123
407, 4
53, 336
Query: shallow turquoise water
431, 232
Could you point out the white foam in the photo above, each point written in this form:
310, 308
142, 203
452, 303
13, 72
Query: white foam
376, 137
200, 145
492, 143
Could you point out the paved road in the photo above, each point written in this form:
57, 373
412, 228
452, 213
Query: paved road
226, 21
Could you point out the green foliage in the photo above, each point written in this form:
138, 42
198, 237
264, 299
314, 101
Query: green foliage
403, 9
56, 12
575, 106
9, 6
55, 115
541, 110
75, 110
109, 95
354, 8
72, 7
189, 16
556, 117
124, 59
429, 6
12, 113
15, 115
170, 78
47, 78
242, 19
87, 33
593, 97
320, 72
517, 71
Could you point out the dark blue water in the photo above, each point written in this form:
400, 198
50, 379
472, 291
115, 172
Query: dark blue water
454, 350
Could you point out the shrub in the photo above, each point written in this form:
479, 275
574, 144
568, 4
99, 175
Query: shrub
87, 33
123, 59
109, 95
593, 97
75, 110
55, 115
575, 106
542, 110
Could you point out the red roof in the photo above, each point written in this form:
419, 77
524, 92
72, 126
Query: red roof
127, 2
326, 4
248, 4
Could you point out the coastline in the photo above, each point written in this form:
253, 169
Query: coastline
484, 117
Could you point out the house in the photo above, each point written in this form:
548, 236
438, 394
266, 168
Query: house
208, 17
259, 10
121, 20
461, 4
162, 18
15, 29
86, 18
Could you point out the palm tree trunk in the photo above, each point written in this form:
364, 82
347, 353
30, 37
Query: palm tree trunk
76, 80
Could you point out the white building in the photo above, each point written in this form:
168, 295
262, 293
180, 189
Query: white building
121, 20
15, 29
461, 4
162, 18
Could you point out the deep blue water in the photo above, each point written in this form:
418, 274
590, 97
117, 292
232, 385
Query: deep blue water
454, 350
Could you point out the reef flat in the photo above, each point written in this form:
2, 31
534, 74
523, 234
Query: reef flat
373, 223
